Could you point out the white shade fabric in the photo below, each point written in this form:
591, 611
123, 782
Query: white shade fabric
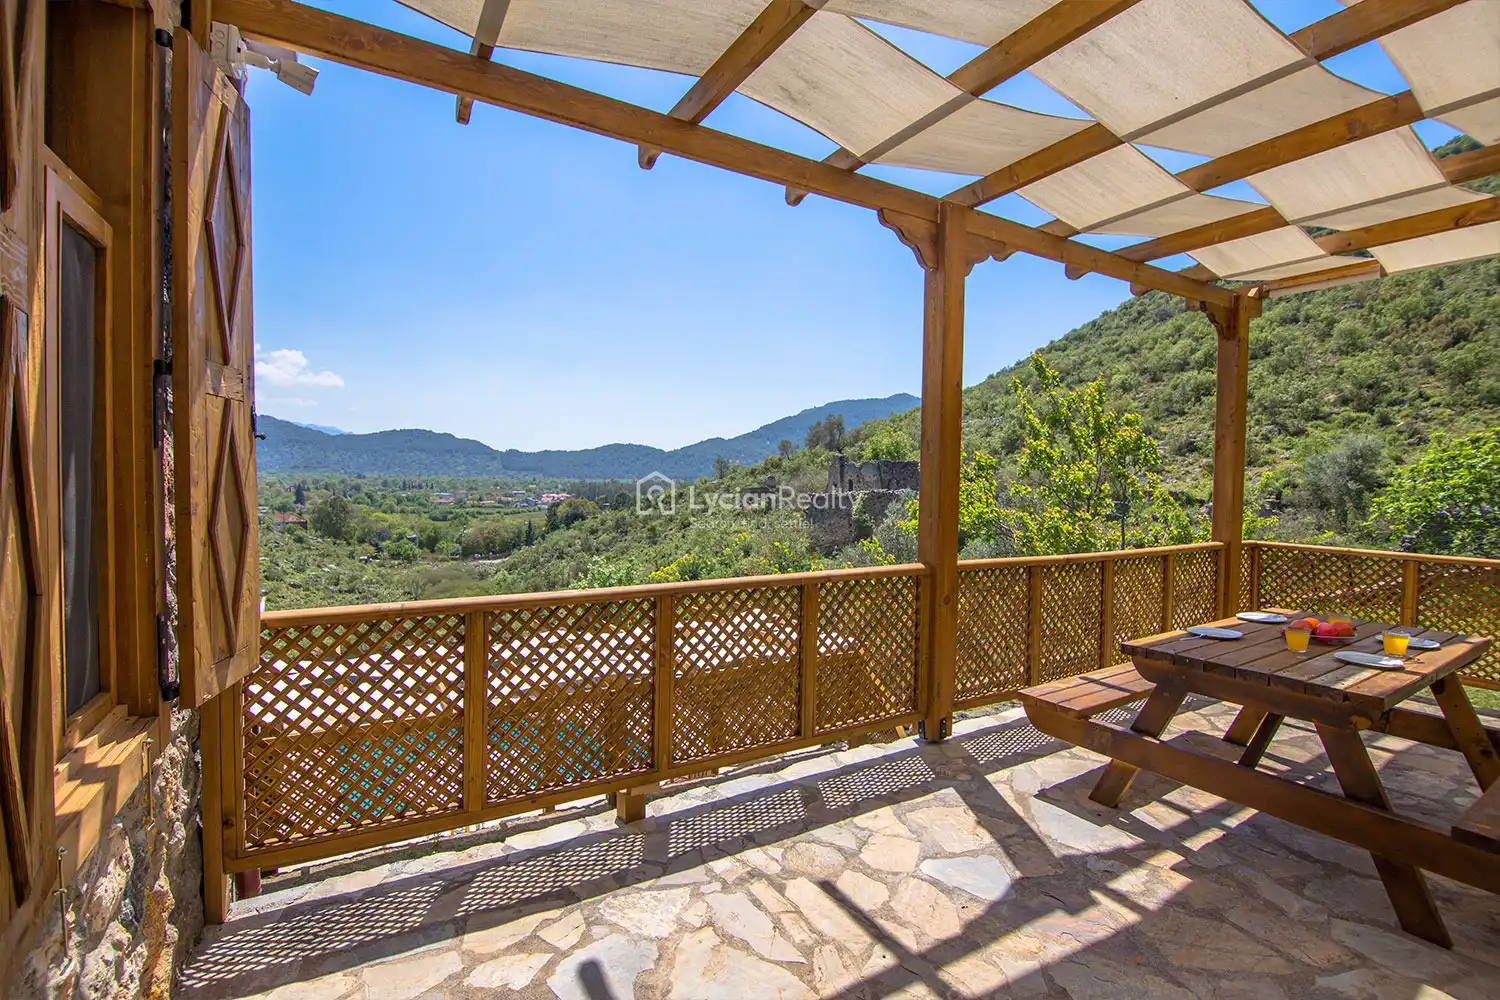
1450, 59
983, 22
980, 137
1314, 266
1441, 248
1288, 245
1178, 214
1378, 179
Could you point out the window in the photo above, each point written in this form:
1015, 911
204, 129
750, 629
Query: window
77, 276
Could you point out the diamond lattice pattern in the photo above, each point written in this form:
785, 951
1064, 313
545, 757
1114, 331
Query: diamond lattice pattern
1196, 586
867, 651
352, 725
1463, 598
1138, 599
569, 695
737, 662
1070, 619
1366, 587
992, 643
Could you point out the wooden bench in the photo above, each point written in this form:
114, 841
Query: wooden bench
1480, 825
1086, 695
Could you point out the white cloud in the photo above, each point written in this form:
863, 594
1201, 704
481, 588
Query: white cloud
286, 368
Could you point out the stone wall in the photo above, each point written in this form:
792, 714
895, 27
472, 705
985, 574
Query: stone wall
136, 905
848, 476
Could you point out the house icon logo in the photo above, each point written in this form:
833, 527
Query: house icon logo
655, 494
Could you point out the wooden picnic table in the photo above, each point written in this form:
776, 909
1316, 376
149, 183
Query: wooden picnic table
1341, 700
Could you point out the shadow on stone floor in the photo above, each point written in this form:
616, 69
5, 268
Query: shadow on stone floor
318, 937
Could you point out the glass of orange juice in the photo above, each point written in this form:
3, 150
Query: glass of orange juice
1296, 639
1395, 643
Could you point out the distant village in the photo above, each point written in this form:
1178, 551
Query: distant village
517, 499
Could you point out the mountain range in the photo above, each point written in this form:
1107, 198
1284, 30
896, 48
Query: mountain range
291, 447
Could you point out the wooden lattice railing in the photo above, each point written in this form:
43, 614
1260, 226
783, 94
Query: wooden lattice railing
1025, 620
358, 729
1443, 592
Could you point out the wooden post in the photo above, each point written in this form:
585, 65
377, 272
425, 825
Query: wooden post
665, 667
942, 423
1168, 590
476, 647
1411, 575
1033, 625
809, 659
1255, 553
1231, 400
210, 744
1108, 654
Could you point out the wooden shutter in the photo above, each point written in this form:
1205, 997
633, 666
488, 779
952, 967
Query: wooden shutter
27, 658
218, 573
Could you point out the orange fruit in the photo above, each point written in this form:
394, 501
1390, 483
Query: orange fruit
1345, 629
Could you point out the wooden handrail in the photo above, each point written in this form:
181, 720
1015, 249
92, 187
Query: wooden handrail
1378, 554
463, 605
1085, 557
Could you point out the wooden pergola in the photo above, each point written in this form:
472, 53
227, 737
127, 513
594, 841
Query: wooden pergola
1324, 152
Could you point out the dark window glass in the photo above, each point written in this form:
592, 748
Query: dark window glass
76, 318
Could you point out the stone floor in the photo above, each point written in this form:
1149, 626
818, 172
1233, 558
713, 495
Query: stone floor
974, 868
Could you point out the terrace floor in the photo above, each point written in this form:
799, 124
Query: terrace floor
974, 868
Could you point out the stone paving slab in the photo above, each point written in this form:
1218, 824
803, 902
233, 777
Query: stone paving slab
973, 868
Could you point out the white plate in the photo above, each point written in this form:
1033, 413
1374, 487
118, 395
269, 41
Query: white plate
1377, 660
1214, 632
1264, 617
1415, 643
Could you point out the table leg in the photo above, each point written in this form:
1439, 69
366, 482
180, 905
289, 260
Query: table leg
1153, 718
1404, 884
1269, 723
1468, 732
1244, 726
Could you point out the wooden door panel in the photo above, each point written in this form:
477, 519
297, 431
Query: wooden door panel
218, 577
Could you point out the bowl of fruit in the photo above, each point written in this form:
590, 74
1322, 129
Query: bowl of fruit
1334, 633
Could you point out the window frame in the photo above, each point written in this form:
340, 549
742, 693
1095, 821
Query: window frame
69, 201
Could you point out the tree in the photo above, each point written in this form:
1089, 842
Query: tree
1079, 464
1448, 501
827, 433
722, 466
786, 449
888, 442
530, 532
334, 518
575, 510
299, 493
1337, 483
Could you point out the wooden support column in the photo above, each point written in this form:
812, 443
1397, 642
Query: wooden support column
216, 882
942, 423
1231, 401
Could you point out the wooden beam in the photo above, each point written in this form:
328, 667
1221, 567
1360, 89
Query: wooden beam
1264, 220
941, 450
1334, 34
1236, 227
1473, 213
1319, 137
1023, 48
1081, 145
364, 46
771, 28
1471, 166
1349, 274
486, 34
1091, 259
1364, 22
1230, 403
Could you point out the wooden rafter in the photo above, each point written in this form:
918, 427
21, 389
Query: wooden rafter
770, 29
1259, 221
1470, 166
1023, 48
1473, 213
486, 34
1327, 38
1370, 119
389, 53
1363, 270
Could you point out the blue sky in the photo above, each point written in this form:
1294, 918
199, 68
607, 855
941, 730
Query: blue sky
526, 284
